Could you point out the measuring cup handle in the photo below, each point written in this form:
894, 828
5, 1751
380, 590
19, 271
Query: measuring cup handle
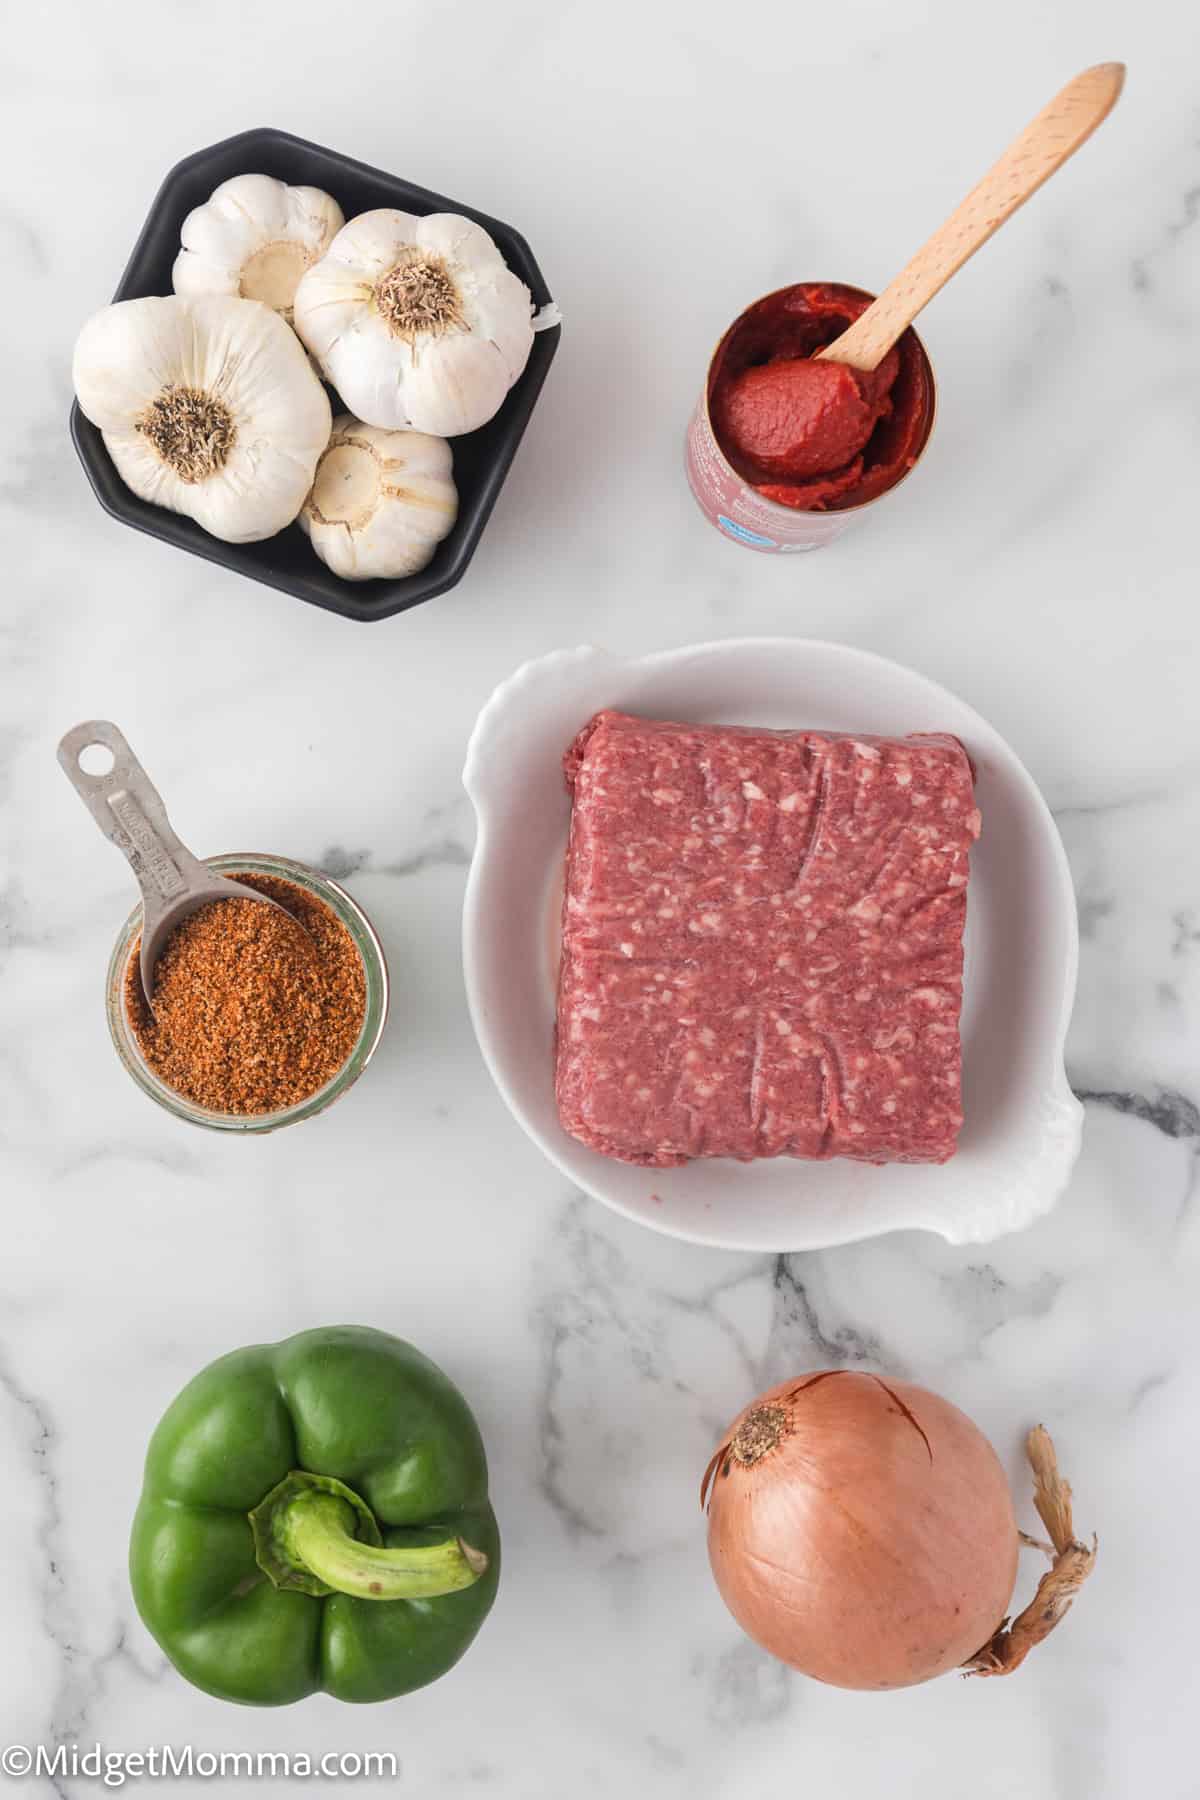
129, 811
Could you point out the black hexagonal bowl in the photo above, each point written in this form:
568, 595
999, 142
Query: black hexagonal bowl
481, 458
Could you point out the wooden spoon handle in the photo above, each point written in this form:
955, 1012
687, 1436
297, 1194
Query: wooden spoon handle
1030, 159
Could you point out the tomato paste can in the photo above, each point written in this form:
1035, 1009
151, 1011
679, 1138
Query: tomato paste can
736, 507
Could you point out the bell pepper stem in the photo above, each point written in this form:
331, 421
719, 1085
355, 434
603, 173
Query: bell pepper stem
318, 1531
315, 1534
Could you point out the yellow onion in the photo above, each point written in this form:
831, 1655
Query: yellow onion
861, 1530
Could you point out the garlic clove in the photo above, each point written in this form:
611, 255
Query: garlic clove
462, 242
311, 214
499, 312
255, 495
144, 471
371, 372
254, 238
213, 241
381, 501
259, 199
460, 389
367, 246
331, 303
123, 357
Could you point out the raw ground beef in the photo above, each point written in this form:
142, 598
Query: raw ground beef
762, 943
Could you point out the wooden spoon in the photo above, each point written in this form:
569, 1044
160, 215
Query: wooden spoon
1030, 159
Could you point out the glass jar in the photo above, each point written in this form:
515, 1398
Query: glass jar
374, 1018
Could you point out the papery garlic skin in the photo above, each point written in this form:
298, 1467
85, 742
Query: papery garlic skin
253, 238
417, 322
381, 501
207, 406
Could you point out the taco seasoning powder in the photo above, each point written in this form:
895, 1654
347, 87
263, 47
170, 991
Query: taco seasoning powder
253, 1012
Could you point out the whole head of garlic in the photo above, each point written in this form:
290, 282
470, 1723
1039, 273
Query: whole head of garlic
417, 322
381, 501
207, 406
254, 238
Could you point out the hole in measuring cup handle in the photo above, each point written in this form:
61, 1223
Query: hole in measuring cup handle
96, 760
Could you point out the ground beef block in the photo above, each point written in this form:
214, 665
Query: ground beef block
762, 943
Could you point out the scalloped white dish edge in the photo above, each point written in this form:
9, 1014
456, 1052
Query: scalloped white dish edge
1010, 1168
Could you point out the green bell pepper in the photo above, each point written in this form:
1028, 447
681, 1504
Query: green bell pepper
315, 1516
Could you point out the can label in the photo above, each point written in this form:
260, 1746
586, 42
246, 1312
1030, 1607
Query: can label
739, 511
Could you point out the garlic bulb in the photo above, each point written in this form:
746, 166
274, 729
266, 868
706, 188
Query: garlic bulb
207, 406
417, 322
254, 238
381, 501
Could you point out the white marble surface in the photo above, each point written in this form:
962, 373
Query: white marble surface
667, 163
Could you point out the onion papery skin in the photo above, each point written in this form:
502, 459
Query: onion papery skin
874, 1545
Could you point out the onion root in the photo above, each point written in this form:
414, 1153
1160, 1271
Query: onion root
1071, 1564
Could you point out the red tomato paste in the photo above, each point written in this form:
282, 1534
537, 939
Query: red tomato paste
817, 436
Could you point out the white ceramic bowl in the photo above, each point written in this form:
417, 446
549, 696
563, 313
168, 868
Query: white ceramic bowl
1023, 1124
